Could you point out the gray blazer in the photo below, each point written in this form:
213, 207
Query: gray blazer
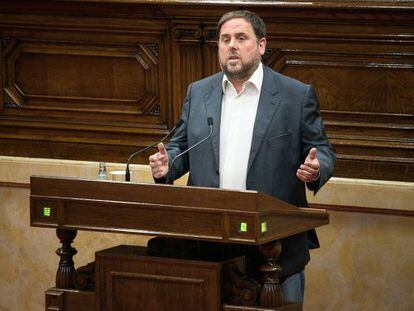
288, 124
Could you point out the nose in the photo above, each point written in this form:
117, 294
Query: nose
233, 43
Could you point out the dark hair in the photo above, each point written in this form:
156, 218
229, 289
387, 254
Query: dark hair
257, 23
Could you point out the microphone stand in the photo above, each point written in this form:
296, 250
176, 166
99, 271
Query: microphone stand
127, 171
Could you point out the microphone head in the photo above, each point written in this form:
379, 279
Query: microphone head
210, 121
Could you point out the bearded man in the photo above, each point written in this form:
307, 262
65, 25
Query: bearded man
268, 135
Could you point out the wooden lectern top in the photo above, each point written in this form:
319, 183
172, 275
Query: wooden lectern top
228, 216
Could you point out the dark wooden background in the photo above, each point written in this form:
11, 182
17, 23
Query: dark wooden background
97, 80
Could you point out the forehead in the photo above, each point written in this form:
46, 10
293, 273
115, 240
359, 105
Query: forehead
236, 25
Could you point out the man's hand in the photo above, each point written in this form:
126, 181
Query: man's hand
159, 162
309, 171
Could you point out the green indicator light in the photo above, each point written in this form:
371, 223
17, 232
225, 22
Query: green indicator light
46, 211
263, 227
243, 227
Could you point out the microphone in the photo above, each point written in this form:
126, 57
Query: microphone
127, 171
210, 124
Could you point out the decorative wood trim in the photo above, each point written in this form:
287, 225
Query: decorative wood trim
209, 34
54, 300
10, 103
156, 278
5, 41
154, 48
155, 111
268, 56
58, 299
184, 34
14, 185
141, 54
187, 60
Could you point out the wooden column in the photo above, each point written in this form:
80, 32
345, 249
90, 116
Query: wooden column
66, 268
271, 293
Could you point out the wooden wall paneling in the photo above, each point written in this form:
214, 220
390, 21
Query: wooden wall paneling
367, 88
102, 92
187, 59
363, 80
87, 78
369, 168
210, 50
359, 56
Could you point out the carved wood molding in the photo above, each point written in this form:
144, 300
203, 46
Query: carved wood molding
268, 56
154, 48
184, 33
9, 102
58, 299
28, 79
5, 41
209, 34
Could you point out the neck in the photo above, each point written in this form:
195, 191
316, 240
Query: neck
238, 84
238, 79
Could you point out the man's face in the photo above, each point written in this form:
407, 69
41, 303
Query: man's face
239, 49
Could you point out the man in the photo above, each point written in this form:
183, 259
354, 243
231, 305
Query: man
267, 136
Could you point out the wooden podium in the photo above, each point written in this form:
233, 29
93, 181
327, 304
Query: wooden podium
138, 278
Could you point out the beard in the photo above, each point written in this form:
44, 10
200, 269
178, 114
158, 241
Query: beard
242, 72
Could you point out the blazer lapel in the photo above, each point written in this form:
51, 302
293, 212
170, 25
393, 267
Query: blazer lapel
213, 108
268, 104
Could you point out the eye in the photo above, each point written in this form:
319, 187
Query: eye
225, 40
242, 38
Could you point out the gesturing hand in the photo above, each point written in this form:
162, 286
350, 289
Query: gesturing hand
309, 170
159, 162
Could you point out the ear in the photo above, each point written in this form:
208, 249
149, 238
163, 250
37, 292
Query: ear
262, 45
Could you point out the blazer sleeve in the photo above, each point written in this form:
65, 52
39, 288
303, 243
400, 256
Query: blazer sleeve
179, 143
313, 135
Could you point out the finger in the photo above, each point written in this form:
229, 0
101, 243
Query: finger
163, 155
153, 158
156, 170
161, 149
305, 176
304, 173
157, 158
154, 164
301, 177
158, 175
308, 172
163, 160
312, 153
310, 168
159, 172
312, 165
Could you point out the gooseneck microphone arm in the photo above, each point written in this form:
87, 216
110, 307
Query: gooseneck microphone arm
127, 171
171, 167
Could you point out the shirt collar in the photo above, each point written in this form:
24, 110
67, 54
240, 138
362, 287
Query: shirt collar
256, 79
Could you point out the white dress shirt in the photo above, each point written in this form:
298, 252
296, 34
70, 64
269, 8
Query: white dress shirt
238, 113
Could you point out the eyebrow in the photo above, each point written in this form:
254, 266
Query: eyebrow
236, 34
